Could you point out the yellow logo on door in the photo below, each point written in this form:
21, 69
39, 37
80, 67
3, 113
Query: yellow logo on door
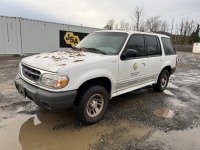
71, 39
135, 66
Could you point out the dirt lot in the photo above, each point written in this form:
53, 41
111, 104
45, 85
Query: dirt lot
142, 119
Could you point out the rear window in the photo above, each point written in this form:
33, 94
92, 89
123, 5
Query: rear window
168, 47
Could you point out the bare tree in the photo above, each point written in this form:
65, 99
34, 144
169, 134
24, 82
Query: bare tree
172, 28
110, 24
125, 25
164, 26
142, 27
184, 29
136, 16
191, 27
153, 24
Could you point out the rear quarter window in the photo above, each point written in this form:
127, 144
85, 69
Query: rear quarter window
168, 47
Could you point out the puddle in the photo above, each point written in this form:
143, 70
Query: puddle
124, 132
39, 132
172, 86
133, 130
168, 92
62, 131
187, 139
164, 113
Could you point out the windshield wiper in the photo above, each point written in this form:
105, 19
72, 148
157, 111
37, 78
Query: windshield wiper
94, 50
89, 49
79, 49
75, 48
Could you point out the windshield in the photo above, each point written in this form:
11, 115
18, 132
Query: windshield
105, 42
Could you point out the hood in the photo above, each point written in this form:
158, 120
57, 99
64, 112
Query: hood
54, 61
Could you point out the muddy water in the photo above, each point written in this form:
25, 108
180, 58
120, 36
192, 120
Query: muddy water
47, 131
58, 131
134, 131
164, 113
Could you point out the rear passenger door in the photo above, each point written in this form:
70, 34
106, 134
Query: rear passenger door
154, 61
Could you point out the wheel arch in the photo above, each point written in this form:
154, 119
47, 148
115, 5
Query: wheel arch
103, 81
168, 68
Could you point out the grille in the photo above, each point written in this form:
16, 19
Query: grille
30, 73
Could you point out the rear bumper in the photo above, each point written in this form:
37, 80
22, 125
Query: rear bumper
51, 100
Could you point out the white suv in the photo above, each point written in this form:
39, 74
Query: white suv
103, 65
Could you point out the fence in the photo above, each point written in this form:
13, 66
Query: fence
185, 48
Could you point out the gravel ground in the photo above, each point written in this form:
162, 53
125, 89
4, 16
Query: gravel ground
142, 119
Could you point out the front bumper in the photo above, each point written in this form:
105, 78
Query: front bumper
50, 100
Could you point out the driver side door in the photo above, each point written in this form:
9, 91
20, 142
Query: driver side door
132, 70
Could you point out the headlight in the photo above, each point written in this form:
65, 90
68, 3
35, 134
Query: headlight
54, 81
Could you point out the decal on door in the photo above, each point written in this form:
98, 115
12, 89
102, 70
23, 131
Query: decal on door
135, 67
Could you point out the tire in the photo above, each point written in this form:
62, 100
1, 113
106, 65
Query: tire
162, 82
92, 104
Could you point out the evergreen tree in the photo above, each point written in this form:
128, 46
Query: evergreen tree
195, 36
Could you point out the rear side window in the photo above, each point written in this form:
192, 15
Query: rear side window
136, 42
152, 45
168, 47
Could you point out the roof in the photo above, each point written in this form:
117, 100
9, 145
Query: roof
134, 32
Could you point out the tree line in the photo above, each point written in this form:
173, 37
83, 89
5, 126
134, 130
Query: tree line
184, 31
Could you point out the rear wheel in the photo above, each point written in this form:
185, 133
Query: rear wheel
162, 82
92, 104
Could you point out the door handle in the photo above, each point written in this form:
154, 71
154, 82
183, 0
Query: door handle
161, 59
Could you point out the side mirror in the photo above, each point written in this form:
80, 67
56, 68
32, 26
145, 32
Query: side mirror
129, 53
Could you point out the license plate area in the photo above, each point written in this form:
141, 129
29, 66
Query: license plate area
22, 90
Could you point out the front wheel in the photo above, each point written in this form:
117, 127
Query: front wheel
92, 104
162, 82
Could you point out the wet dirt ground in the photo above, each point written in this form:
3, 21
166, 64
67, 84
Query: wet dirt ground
142, 119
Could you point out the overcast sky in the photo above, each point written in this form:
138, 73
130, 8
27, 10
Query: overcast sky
95, 13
